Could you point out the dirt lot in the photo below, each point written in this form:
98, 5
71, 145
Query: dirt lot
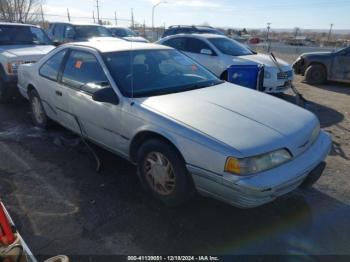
62, 206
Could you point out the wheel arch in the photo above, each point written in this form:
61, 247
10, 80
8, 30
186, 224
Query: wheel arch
30, 87
224, 75
320, 64
146, 135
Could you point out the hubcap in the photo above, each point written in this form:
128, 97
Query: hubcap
317, 75
38, 110
159, 173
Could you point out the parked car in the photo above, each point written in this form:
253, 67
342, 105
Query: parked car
184, 128
19, 44
319, 67
217, 53
186, 29
61, 33
126, 34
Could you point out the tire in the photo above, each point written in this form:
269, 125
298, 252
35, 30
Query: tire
173, 188
39, 116
4, 93
315, 74
224, 76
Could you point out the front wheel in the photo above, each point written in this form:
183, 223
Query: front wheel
315, 75
4, 93
38, 113
163, 173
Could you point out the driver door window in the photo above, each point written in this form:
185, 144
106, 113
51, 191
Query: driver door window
83, 72
195, 46
69, 33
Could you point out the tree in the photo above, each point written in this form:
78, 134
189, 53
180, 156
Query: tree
21, 11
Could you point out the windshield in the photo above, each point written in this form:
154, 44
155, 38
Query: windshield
123, 32
23, 35
230, 47
156, 72
89, 31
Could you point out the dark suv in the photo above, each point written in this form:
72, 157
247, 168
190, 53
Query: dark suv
69, 32
184, 29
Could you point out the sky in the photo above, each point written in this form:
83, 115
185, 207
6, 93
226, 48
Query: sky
307, 14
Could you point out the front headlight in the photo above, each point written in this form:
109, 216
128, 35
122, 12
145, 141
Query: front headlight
315, 133
12, 67
267, 75
256, 164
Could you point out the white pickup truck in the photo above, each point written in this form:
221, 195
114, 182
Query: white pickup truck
19, 44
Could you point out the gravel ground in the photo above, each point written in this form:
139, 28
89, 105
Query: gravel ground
62, 206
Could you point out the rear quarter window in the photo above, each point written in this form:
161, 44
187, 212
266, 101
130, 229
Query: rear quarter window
52, 66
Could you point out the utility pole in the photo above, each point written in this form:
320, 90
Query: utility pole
42, 15
153, 9
115, 18
98, 12
268, 36
68, 15
93, 16
330, 33
132, 19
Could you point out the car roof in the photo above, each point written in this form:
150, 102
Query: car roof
206, 36
75, 23
18, 24
117, 46
117, 26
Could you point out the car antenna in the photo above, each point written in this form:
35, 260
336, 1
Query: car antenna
132, 73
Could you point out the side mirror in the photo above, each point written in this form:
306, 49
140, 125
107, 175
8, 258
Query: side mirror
106, 95
206, 52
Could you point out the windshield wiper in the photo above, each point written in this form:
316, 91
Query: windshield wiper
179, 89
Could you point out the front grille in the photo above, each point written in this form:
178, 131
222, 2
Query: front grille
29, 62
284, 75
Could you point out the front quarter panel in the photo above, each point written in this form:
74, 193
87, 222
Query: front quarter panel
197, 149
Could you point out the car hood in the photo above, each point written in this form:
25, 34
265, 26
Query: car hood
317, 54
23, 51
249, 121
135, 39
264, 59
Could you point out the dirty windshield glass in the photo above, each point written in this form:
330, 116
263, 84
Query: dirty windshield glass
91, 31
230, 47
22, 35
123, 32
155, 72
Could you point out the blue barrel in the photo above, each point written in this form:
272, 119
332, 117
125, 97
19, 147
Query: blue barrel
250, 76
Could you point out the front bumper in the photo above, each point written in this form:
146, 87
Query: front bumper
278, 87
265, 187
299, 66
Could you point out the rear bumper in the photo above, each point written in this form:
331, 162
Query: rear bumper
265, 187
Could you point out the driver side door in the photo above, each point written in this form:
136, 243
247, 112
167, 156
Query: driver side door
341, 66
83, 75
202, 53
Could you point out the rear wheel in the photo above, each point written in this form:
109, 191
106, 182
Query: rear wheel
315, 74
163, 173
38, 113
4, 93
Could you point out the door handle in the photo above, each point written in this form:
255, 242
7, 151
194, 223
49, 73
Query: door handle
59, 93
